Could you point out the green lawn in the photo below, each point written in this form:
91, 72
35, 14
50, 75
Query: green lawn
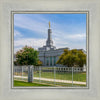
77, 76
60, 84
21, 83
50, 84
63, 76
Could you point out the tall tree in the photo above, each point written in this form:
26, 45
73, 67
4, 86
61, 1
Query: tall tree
27, 56
72, 58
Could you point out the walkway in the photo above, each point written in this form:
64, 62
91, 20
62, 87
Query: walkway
52, 80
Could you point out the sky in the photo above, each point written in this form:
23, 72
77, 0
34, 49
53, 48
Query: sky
68, 30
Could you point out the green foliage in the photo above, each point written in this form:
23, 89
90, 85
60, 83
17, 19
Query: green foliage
72, 58
39, 63
15, 63
27, 56
21, 83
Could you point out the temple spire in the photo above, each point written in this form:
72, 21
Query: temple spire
49, 24
49, 41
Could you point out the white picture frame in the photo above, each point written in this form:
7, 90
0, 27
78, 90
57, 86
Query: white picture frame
6, 90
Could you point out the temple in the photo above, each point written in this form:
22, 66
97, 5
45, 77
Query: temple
48, 54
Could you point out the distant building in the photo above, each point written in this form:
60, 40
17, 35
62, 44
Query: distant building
48, 54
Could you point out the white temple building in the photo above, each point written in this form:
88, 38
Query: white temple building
48, 54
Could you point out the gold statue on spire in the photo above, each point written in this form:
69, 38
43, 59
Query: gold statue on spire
49, 24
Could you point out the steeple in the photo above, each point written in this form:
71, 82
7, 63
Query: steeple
49, 41
49, 24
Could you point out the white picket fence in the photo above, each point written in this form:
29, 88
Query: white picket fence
61, 76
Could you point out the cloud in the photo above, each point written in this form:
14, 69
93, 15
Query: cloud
66, 35
77, 36
17, 48
58, 42
71, 41
35, 43
31, 24
17, 34
39, 24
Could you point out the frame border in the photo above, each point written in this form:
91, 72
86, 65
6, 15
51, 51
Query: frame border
50, 12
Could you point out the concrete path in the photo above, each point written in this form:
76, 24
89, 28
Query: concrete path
52, 80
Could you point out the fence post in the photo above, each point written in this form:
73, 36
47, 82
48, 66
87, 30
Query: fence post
72, 76
54, 74
30, 73
40, 74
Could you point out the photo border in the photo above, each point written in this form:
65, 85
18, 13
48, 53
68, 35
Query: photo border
50, 12
93, 92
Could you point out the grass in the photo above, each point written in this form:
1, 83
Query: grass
44, 83
21, 83
60, 84
77, 76
63, 76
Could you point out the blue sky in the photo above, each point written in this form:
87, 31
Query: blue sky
68, 30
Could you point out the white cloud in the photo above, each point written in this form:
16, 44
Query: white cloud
17, 48
70, 41
31, 24
77, 36
40, 25
17, 34
65, 35
59, 42
61, 38
35, 43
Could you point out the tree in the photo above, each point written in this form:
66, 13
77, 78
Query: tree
27, 56
72, 58
39, 63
